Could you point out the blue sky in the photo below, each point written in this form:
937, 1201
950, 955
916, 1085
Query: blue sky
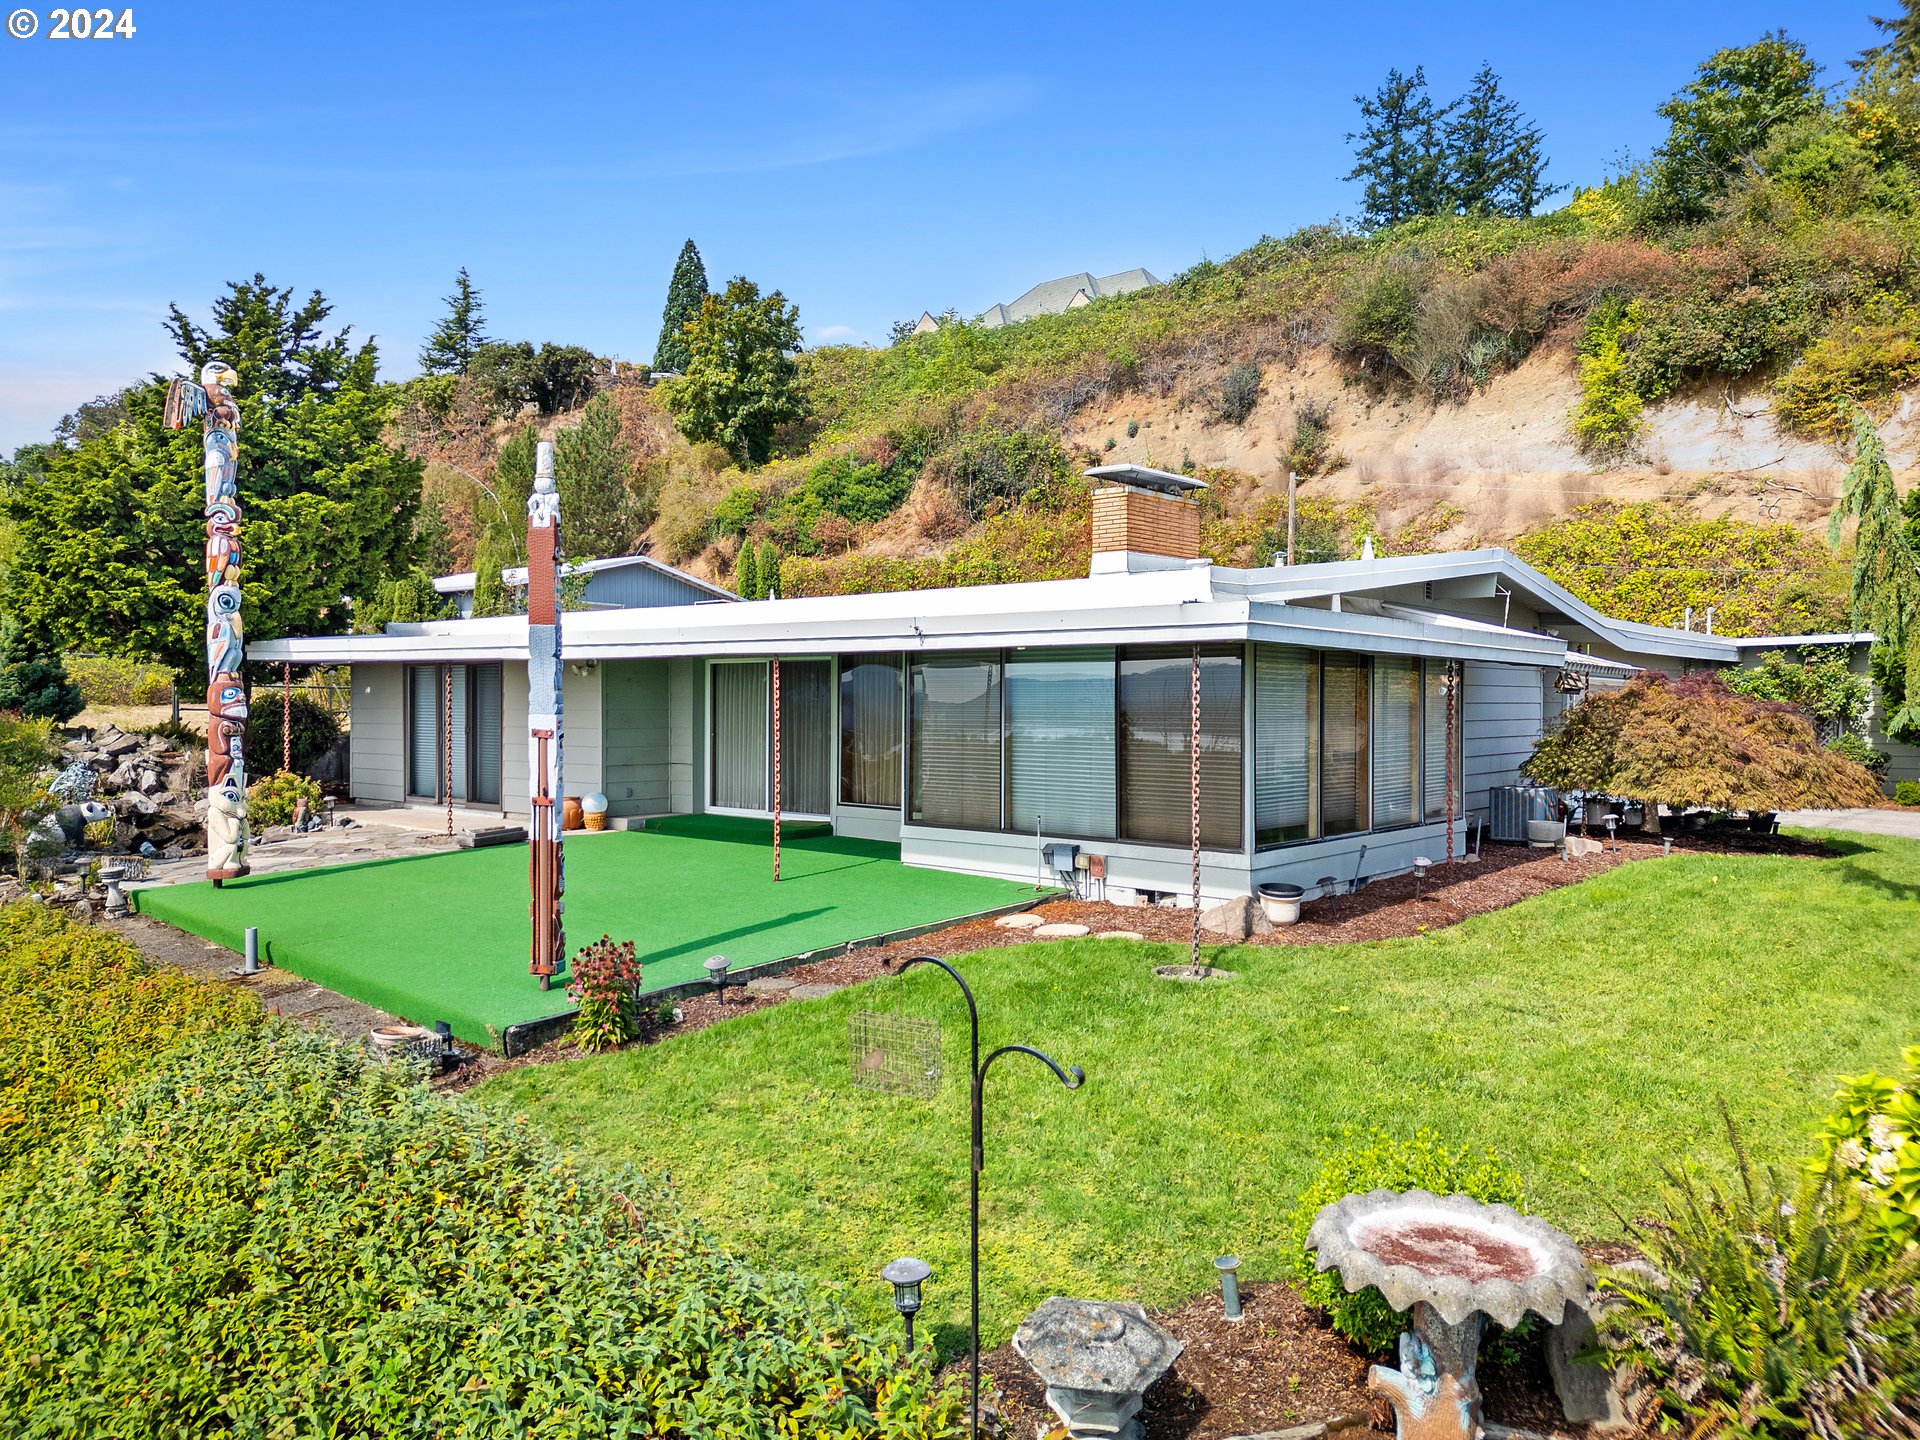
868, 161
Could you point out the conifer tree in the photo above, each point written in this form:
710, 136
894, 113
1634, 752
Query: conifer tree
591, 466
1901, 48
1885, 588
769, 571
453, 344
1494, 164
746, 571
684, 293
1400, 155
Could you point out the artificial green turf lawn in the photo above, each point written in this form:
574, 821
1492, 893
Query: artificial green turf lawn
1585, 1035
446, 937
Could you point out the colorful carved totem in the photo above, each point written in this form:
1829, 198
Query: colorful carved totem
545, 703
227, 838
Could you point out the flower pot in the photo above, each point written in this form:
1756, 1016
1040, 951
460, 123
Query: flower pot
596, 820
1281, 903
572, 817
1545, 834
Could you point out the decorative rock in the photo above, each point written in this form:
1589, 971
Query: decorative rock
1579, 845
811, 992
1025, 920
1231, 918
771, 985
120, 744
1589, 1394
1097, 1361
1061, 930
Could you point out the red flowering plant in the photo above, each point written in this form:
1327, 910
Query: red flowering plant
606, 987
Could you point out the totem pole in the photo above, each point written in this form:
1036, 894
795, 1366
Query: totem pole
227, 837
545, 702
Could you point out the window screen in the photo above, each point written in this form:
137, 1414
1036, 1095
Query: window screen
1396, 740
1433, 769
872, 723
1154, 743
955, 734
1286, 737
1343, 744
1060, 761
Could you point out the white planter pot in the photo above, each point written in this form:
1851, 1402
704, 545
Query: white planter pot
1545, 834
1281, 903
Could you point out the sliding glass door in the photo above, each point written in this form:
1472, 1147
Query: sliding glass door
742, 756
470, 726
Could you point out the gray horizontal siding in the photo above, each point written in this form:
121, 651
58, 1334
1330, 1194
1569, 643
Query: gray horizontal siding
1501, 713
377, 759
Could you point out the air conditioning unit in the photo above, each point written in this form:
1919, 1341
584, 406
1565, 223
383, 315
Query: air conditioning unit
1512, 806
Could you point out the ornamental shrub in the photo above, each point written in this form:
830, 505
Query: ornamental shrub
606, 987
82, 1013
1907, 792
1856, 749
1820, 684
274, 1235
315, 731
1607, 420
271, 799
1873, 1140
114, 680
1379, 1161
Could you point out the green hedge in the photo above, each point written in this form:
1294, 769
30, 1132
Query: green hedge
111, 680
82, 1013
276, 1236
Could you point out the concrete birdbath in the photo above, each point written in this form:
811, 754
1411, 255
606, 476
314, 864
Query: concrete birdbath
1456, 1262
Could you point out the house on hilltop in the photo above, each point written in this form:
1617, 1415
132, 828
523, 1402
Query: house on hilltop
1069, 292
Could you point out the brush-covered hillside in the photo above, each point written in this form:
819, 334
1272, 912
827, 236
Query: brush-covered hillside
1649, 390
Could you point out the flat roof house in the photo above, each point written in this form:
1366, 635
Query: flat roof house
969, 724
618, 582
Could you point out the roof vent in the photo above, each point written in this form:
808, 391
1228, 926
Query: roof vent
1144, 519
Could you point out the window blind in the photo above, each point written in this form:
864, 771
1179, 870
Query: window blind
740, 708
1060, 760
1343, 744
1396, 740
423, 730
1154, 746
484, 788
955, 741
1285, 744
871, 730
1433, 769
806, 747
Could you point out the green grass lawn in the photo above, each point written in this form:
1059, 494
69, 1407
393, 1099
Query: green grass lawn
446, 937
1585, 1035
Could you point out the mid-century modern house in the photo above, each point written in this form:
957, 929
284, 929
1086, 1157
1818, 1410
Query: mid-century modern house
971, 724
611, 584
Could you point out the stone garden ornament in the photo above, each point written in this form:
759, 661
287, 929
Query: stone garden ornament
212, 398
1456, 1262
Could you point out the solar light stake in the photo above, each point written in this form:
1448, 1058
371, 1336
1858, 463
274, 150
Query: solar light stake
252, 965
906, 1275
1073, 1077
1229, 1266
1420, 864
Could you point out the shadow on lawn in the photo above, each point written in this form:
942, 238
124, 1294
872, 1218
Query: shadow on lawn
707, 942
1857, 874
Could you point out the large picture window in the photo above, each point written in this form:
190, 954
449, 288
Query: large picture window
1155, 719
741, 695
1344, 778
1286, 744
1060, 761
872, 729
954, 734
1396, 741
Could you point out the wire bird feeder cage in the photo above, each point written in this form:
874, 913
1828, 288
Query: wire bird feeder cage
894, 1053
1571, 681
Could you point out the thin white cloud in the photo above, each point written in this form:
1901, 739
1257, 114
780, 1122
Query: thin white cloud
834, 332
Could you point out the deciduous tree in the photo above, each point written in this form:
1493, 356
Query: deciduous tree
740, 384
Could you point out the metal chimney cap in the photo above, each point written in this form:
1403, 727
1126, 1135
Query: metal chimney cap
1143, 478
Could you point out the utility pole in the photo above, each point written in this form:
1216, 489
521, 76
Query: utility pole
1293, 482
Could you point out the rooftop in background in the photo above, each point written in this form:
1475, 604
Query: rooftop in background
1069, 292
619, 582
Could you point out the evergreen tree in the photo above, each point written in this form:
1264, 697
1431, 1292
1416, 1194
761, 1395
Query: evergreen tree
1494, 164
502, 541
1885, 588
769, 571
453, 344
1399, 154
110, 534
741, 382
591, 467
33, 678
746, 572
1902, 45
685, 291
406, 599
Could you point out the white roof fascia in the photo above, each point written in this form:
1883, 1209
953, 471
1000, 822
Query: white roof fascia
456, 584
1800, 642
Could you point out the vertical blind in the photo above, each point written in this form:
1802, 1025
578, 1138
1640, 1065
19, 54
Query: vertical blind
1060, 760
427, 733
1433, 770
483, 787
423, 730
872, 722
1286, 727
1155, 717
955, 742
1343, 744
1396, 740
806, 746
740, 707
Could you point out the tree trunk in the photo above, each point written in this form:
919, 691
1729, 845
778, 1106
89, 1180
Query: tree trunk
1650, 817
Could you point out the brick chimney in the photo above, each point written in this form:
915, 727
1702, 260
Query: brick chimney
1144, 519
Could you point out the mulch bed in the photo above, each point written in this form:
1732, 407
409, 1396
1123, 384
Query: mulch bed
1278, 1367
1383, 910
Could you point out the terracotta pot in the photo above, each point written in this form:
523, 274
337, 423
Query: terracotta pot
571, 815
